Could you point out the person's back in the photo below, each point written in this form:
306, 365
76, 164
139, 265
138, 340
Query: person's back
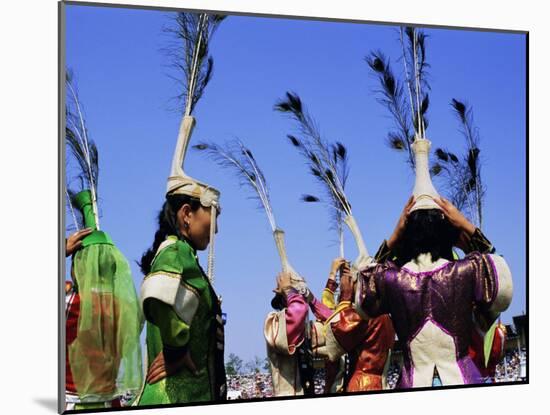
431, 307
431, 296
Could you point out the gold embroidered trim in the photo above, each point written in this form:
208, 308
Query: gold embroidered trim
190, 288
162, 273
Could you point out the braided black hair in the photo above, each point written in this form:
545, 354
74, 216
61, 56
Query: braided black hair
167, 225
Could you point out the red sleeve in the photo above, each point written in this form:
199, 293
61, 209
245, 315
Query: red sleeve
321, 311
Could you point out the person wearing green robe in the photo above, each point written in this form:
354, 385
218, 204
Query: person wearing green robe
185, 338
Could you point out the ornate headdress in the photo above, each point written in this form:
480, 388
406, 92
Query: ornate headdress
195, 30
180, 183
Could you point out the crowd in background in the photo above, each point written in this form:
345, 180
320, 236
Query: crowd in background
393, 376
258, 385
512, 368
249, 386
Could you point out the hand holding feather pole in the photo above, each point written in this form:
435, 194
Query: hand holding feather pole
335, 267
328, 164
74, 242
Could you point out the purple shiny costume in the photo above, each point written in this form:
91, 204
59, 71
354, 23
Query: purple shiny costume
445, 296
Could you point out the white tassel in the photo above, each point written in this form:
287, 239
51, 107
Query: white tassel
210, 270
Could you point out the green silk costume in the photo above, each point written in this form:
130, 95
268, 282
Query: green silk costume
183, 314
104, 357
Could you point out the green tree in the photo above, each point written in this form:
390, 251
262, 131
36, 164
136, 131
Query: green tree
267, 365
254, 365
234, 364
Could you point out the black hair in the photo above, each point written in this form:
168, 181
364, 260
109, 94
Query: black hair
167, 225
278, 302
427, 231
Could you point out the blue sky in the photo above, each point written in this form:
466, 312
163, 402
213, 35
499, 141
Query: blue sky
122, 79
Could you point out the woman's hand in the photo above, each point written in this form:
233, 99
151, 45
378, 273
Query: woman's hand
160, 368
401, 224
335, 266
283, 282
74, 242
455, 217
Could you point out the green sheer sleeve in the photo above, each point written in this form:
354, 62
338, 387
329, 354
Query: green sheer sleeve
105, 357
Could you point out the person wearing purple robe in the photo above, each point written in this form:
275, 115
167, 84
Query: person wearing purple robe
432, 297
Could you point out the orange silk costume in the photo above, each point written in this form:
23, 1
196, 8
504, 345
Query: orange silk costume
368, 343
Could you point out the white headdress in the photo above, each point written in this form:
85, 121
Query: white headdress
180, 183
194, 31
424, 191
